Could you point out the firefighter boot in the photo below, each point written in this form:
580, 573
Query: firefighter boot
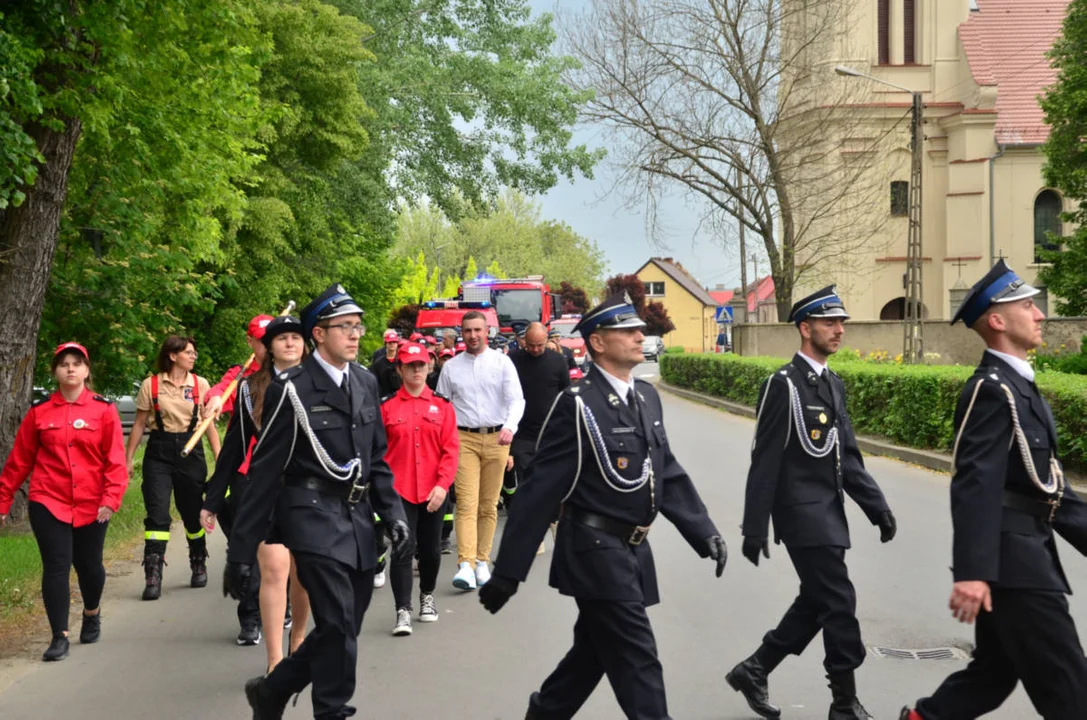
152, 570
751, 679
198, 561
845, 706
266, 701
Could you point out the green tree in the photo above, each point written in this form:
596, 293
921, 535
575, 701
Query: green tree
1065, 106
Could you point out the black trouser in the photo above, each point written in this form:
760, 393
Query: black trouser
166, 472
63, 546
826, 602
424, 536
338, 596
381, 544
613, 639
249, 605
522, 449
1029, 636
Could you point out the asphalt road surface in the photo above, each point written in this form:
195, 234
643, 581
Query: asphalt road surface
175, 659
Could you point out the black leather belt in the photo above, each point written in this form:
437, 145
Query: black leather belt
633, 534
1035, 507
481, 430
344, 491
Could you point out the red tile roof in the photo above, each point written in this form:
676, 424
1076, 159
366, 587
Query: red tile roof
721, 296
1006, 43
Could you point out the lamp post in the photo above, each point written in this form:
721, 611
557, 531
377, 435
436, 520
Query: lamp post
913, 329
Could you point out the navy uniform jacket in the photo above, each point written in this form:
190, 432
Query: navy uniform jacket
803, 494
235, 447
588, 563
309, 520
1002, 545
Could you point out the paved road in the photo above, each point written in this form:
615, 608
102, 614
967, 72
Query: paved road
175, 658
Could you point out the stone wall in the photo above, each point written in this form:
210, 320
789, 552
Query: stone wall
954, 345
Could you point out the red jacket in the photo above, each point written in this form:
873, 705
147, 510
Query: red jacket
423, 442
220, 387
75, 456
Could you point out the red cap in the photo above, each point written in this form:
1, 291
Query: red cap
71, 346
446, 352
431, 340
460, 347
415, 336
257, 325
411, 352
576, 374
391, 335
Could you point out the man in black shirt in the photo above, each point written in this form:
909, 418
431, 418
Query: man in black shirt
543, 375
384, 365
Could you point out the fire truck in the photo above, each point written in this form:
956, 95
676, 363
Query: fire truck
526, 299
437, 316
565, 325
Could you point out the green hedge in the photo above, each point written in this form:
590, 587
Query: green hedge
908, 405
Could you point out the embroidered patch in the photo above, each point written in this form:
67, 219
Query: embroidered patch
618, 430
320, 408
187, 393
79, 424
816, 434
621, 463
613, 399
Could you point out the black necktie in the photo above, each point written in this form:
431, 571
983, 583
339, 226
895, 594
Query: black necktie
345, 385
825, 379
632, 403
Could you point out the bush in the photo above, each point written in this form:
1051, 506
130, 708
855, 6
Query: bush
675, 350
908, 405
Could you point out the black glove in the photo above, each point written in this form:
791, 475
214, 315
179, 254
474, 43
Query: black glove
752, 548
497, 593
236, 579
718, 552
887, 527
398, 534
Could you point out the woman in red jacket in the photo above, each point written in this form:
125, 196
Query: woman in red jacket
72, 447
423, 447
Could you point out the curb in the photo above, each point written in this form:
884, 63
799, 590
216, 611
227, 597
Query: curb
925, 458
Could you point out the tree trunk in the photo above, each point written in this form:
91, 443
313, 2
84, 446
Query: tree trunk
28, 240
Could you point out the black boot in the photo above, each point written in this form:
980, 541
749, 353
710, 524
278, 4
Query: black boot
91, 629
267, 703
750, 679
152, 570
58, 649
845, 705
199, 564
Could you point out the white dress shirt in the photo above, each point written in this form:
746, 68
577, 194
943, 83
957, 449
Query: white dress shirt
815, 364
1020, 365
622, 387
333, 372
484, 389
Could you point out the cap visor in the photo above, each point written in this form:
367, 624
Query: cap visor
832, 313
634, 322
348, 309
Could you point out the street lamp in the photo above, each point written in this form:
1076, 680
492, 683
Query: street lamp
913, 329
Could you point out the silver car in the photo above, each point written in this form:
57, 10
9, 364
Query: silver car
652, 347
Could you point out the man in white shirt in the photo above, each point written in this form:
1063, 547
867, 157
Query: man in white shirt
483, 386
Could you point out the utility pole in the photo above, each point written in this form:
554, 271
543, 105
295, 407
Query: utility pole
755, 289
743, 245
913, 329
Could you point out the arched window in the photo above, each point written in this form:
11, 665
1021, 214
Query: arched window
1047, 219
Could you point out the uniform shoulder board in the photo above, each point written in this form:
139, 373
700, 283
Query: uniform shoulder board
101, 399
437, 394
388, 397
289, 373
574, 389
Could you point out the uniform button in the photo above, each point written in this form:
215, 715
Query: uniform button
353, 426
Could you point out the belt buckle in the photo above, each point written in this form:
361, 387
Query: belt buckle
357, 491
638, 536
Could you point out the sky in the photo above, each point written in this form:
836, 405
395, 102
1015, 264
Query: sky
593, 208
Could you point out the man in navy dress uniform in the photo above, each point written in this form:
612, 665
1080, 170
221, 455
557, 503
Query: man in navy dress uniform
804, 461
319, 470
1008, 496
604, 464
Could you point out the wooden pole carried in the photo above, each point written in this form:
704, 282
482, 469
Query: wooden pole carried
206, 422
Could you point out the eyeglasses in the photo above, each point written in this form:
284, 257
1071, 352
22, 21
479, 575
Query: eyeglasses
192, 353
349, 330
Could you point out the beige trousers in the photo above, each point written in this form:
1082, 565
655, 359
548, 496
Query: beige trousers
479, 480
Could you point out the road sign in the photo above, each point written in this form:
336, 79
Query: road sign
724, 314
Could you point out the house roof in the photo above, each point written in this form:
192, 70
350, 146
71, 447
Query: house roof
1006, 42
682, 278
721, 297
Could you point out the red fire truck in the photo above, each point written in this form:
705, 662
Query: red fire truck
518, 299
437, 316
565, 325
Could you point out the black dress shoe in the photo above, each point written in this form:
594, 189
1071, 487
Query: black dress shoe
58, 649
266, 703
91, 629
749, 679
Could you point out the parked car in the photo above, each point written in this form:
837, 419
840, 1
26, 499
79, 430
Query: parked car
652, 347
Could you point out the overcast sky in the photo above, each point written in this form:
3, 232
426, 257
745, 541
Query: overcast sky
593, 210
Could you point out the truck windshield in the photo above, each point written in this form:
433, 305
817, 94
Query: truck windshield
526, 305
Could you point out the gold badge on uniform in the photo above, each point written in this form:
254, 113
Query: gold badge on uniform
621, 463
822, 419
816, 434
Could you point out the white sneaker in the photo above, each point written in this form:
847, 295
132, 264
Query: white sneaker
428, 611
379, 579
403, 622
483, 573
465, 579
